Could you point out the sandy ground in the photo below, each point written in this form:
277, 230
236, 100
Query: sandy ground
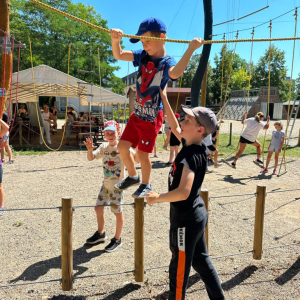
31, 240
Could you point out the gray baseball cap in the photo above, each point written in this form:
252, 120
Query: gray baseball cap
204, 115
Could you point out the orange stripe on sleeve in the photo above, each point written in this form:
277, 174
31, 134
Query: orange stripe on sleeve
180, 274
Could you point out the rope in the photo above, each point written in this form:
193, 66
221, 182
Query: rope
269, 88
4, 67
226, 89
155, 38
247, 103
290, 93
36, 100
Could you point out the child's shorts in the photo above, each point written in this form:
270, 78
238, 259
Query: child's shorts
274, 148
142, 134
5, 138
68, 133
113, 197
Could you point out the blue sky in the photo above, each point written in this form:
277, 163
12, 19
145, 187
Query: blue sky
184, 19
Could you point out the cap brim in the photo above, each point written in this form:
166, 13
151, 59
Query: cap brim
113, 128
134, 40
187, 110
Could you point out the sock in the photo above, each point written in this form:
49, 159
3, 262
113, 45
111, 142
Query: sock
134, 177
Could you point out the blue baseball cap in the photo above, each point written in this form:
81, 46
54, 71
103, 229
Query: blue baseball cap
150, 24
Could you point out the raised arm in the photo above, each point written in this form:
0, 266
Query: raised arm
268, 123
90, 147
118, 52
176, 71
244, 117
170, 115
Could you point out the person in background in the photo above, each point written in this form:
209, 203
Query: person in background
69, 125
54, 115
22, 112
4, 141
167, 130
47, 117
174, 144
3, 131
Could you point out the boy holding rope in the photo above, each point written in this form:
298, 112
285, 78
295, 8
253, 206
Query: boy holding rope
188, 216
155, 70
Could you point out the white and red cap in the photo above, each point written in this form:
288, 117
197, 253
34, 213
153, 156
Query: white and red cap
111, 125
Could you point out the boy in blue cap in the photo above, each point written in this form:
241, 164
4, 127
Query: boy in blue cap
155, 70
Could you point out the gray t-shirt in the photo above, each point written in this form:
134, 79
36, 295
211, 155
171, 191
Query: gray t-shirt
277, 138
69, 125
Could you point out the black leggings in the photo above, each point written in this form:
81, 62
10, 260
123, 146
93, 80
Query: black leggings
189, 250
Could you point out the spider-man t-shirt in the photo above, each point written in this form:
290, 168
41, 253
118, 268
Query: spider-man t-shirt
152, 75
192, 209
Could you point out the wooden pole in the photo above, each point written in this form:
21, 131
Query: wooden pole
66, 243
139, 239
4, 25
203, 89
230, 134
20, 133
205, 196
299, 138
259, 221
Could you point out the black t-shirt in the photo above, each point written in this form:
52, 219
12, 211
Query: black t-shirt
192, 210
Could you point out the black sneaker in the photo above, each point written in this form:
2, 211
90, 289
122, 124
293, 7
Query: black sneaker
126, 183
113, 245
96, 238
169, 163
142, 191
259, 161
233, 165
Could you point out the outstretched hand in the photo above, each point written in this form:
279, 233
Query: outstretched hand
151, 197
89, 144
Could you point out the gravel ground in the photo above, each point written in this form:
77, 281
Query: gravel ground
31, 240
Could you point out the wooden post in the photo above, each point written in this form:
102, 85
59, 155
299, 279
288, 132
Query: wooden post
20, 133
66, 243
230, 134
139, 239
205, 196
299, 138
259, 221
203, 89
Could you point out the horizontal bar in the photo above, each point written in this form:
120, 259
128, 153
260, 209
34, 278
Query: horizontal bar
253, 13
224, 22
237, 195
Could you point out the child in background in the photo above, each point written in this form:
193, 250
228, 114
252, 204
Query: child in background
69, 125
276, 144
209, 144
4, 129
174, 145
114, 170
155, 68
188, 216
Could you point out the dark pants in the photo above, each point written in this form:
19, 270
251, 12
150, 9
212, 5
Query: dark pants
189, 249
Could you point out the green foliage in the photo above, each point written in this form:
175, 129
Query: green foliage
51, 33
240, 79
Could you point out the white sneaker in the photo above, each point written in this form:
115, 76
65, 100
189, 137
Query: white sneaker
166, 148
218, 165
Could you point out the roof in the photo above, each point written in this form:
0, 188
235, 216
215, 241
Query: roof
291, 102
51, 82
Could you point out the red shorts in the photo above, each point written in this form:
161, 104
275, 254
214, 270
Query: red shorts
142, 134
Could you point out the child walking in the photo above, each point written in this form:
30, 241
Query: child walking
188, 216
114, 169
69, 125
276, 144
155, 68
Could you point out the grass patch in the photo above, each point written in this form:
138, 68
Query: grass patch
25, 150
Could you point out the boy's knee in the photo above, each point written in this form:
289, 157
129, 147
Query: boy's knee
99, 209
123, 146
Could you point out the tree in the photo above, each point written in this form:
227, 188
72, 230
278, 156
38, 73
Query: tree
278, 72
51, 33
240, 79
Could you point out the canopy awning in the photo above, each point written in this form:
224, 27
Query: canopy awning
51, 82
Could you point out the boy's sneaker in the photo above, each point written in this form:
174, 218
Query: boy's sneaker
218, 165
166, 148
155, 155
274, 172
96, 238
233, 165
127, 182
265, 170
1, 211
169, 163
10, 162
113, 245
142, 191
259, 161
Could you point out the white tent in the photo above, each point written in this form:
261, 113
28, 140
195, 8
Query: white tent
51, 82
